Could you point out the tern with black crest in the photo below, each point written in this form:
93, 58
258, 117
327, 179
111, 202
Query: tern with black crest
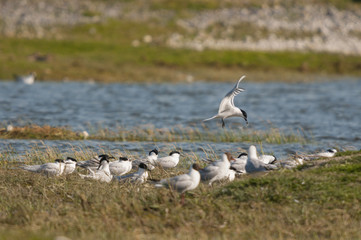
227, 108
170, 161
70, 165
149, 161
102, 173
121, 167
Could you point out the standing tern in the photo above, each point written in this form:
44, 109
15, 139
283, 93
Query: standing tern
102, 173
218, 170
169, 161
149, 161
140, 176
227, 108
49, 169
184, 182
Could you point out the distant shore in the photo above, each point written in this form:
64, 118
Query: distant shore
111, 41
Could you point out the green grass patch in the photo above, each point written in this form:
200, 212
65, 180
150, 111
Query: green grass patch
317, 203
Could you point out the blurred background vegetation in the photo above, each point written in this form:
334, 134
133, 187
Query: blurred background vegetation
175, 41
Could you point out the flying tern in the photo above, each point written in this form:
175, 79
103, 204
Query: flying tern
227, 108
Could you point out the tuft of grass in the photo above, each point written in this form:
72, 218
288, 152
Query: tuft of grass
323, 202
41, 132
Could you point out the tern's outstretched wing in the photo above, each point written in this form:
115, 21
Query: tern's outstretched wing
227, 101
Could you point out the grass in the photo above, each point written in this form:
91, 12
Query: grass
41, 132
306, 203
110, 62
104, 52
175, 134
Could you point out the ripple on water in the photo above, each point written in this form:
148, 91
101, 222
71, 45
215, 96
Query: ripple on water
328, 111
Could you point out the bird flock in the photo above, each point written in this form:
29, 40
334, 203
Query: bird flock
103, 169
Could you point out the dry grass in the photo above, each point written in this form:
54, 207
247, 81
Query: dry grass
40, 132
320, 203
150, 133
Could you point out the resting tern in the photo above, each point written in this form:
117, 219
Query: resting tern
239, 163
169, 161
268, 159
329, 153
26, 79
254, 164
102, 173
70, 165
140, 176
292, 163
121, 167
218, 170
227, 108
50, 169
149, 161
93, 163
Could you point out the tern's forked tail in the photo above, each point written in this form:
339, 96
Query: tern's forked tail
210, 118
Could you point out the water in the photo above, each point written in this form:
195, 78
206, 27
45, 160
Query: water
330, 112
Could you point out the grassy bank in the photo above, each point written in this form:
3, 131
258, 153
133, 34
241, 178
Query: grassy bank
176, 134
316, 201
104, 52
